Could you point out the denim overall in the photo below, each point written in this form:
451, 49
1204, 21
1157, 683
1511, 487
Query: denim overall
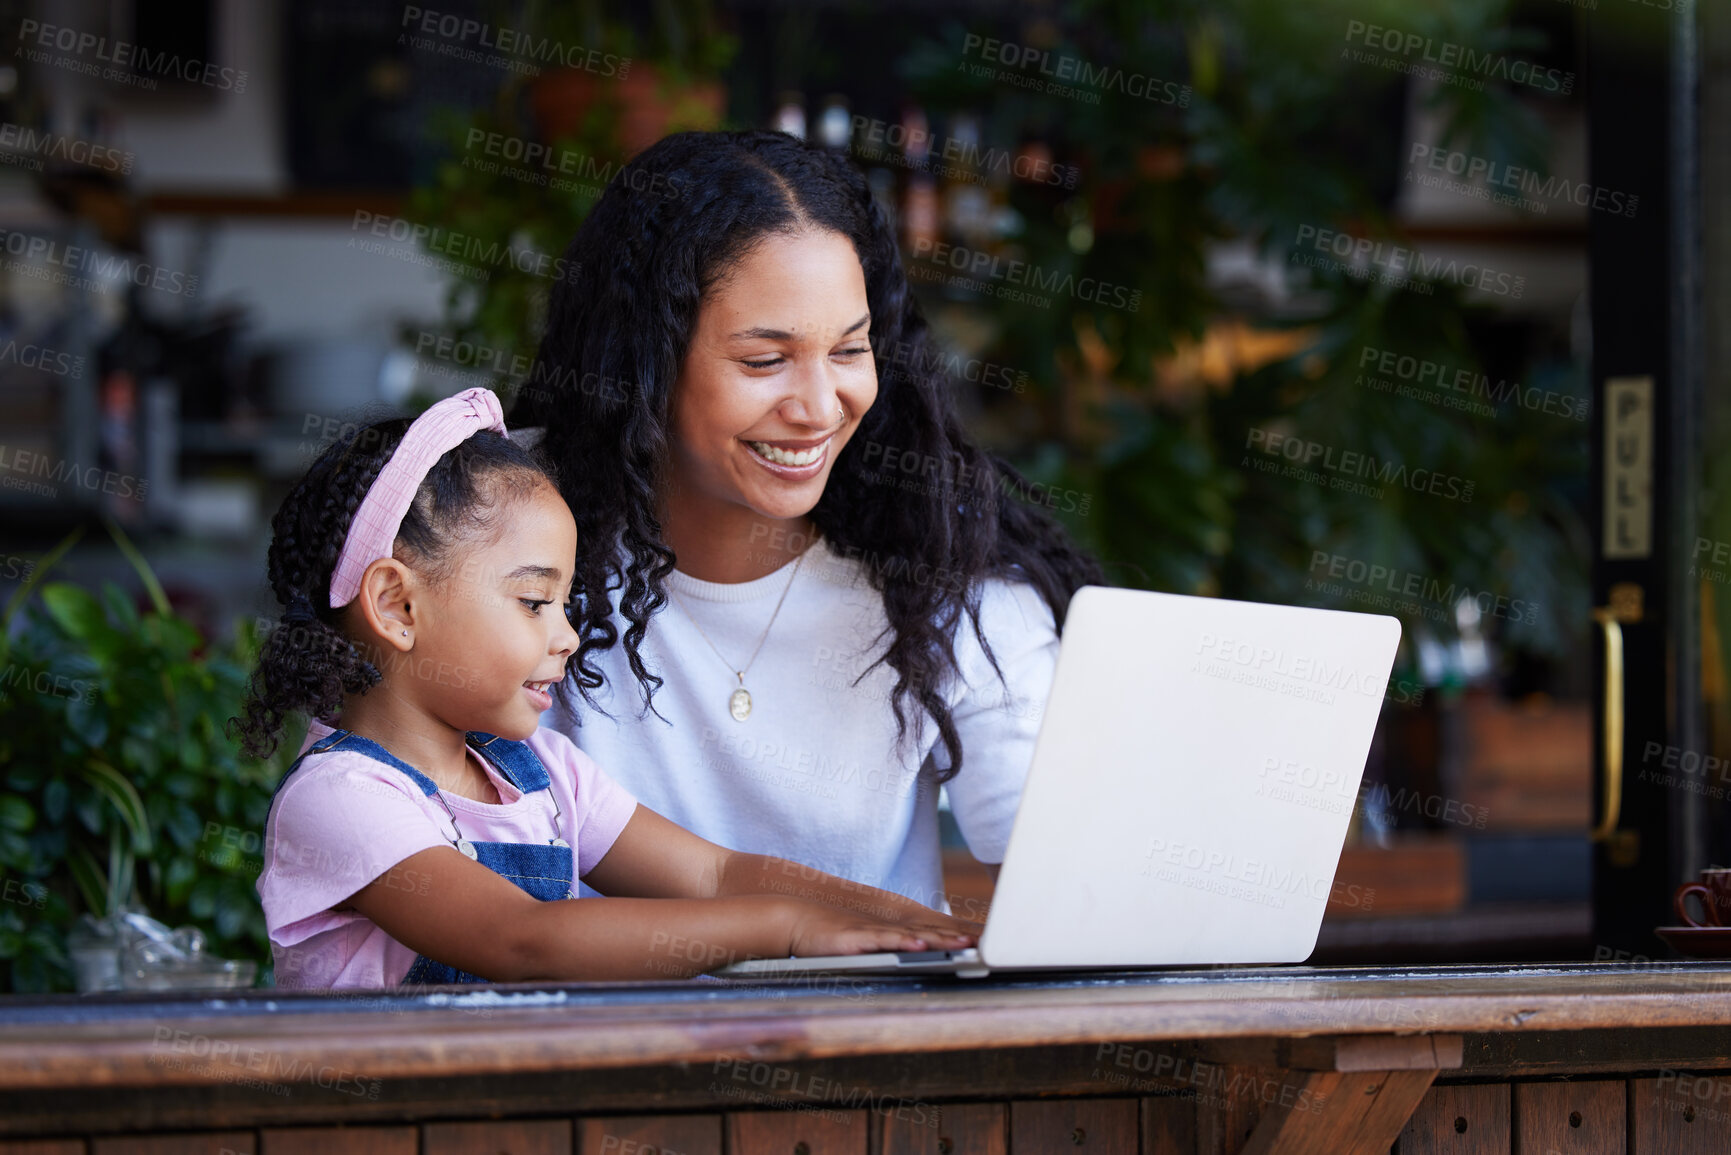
545, 871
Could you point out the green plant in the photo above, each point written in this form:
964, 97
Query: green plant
120, 783
1280, 130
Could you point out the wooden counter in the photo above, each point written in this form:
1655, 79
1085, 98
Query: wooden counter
1332, 1061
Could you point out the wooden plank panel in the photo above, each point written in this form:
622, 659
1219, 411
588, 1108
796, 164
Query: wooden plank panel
1228, 1101
801, 1132
1587, 1118
505, 1137
339, 1141
205, 1143
1464, 1120
952, 1129
1108, 1126
1680, 1114
1169, 1124
649, 1135
1362, 1113
42, 1147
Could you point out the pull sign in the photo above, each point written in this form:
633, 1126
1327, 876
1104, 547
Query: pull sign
1628, 467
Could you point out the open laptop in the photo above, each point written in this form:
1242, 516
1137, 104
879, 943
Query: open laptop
1189, 794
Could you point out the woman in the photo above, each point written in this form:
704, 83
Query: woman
822, 599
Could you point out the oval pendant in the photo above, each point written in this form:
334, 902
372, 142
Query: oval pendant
468, 849
739, 704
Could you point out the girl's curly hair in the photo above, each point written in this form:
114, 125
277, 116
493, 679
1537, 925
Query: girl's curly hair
307, 662
673, 222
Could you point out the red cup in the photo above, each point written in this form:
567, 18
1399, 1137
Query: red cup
1715, 891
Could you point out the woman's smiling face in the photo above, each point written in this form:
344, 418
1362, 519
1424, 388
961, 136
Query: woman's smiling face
777, 376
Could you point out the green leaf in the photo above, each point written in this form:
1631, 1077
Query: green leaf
48, 562
181, 874
120, 609
120, 872
88, 877
184, 826
16, 813
55, 797
88, 719
76, 611
122, 796
142, 567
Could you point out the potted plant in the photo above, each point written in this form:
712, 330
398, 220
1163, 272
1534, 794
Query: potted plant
626, 89
121, 787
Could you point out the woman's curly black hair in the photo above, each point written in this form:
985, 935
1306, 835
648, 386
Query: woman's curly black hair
673, 222
307, 662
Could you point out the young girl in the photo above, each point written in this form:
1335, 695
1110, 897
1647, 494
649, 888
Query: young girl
431, 830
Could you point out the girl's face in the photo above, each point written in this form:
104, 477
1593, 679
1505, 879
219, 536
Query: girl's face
778, 374
494, 637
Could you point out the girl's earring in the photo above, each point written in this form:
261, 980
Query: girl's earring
405, 633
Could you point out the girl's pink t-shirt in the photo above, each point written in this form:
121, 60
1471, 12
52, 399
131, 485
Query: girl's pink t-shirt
345, 819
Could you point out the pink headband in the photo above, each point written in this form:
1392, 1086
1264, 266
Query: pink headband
433, 434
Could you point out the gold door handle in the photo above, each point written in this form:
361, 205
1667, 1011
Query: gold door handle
1626, 606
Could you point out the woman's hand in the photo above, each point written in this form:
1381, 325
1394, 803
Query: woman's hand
820, 929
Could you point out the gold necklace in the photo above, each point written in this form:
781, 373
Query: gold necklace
739, 702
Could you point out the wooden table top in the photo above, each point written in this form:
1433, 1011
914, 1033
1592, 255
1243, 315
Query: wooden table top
136, 1039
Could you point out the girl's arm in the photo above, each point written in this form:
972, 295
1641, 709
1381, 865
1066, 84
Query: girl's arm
656, 858
442, 905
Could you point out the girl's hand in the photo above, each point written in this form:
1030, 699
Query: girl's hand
820, 929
